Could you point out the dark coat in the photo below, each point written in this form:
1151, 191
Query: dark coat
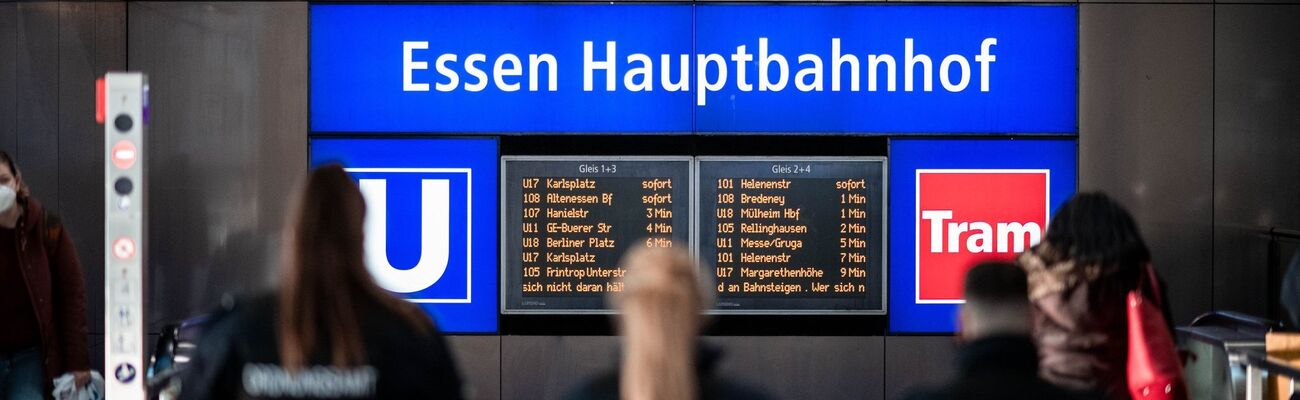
1001, 368
1080, 320
239, 346
58, 292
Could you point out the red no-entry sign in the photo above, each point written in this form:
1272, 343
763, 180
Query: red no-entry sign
124, 154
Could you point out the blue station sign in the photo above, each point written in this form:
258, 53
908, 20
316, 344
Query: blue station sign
682, 68
954, 203
430, 230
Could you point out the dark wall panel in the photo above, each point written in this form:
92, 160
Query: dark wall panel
1256, 2
1257, 140
50, 55
550, 367
1173, 2
1187, 115
8, 76
913, 362
92, 41
37, 98
1146, 132
817, 367
479, 361
227, 143
993, 1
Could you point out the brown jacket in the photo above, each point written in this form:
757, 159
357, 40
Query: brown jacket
58, 292
1079, 321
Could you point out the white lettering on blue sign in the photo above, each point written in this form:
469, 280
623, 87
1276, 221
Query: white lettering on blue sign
711, 70
435, 232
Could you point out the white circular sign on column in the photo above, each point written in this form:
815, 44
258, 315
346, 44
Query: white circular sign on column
124, 248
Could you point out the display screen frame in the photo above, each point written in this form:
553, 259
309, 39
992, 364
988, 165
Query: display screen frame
503, 231
884, 241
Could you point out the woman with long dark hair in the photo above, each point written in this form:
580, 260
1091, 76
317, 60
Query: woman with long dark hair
330, 331
42, 295
1079, 276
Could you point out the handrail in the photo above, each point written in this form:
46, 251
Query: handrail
1284, 232
1237, 318
1268, 363
1263, 230
1259, 366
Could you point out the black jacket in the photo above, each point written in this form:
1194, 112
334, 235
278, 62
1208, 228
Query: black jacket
237, 358
711, 386
1002, 368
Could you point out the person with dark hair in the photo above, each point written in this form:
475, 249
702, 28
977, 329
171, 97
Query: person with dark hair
42, 295
330, 332
1091, 257
998, 359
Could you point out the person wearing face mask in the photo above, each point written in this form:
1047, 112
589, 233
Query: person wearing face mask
42, 296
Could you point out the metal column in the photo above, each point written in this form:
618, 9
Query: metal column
122, 103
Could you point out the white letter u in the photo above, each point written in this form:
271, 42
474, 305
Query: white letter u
435, 229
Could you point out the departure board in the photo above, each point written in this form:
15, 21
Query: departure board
567, 222
793, 236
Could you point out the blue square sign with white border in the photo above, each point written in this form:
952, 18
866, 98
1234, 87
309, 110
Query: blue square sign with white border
912, 159
430, 221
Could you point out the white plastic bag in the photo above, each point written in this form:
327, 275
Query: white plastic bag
65, 388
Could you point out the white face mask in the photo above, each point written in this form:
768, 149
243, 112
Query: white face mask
7, 197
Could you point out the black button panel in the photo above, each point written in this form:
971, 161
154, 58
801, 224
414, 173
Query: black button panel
123, 186
123, 123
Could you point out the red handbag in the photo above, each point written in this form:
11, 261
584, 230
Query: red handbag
1155, 371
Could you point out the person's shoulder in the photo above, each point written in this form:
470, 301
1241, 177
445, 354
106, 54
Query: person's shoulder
38, 217
393, 342
31, 206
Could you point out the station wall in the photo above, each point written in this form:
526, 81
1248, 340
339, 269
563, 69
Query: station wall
1186, 114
